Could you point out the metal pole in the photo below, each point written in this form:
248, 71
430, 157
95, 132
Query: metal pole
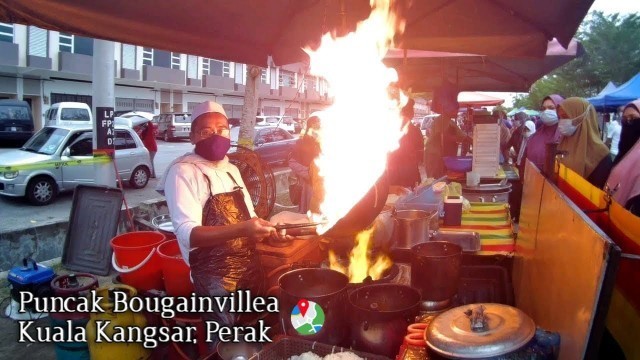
103, 86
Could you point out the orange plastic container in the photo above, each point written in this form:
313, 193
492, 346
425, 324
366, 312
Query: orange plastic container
135, 257
177, 281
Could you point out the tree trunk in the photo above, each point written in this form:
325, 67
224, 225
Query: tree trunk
250, 107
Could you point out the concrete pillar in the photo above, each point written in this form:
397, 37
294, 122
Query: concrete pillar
19, 88
103, 86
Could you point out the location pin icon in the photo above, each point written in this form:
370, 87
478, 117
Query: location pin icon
303, 305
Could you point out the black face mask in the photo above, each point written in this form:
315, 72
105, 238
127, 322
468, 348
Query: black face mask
628, 136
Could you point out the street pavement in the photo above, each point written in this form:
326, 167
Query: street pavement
17, 213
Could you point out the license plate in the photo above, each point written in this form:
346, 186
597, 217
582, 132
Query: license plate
13, 128
186, 129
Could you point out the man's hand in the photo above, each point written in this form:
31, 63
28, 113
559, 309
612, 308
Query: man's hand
258, 228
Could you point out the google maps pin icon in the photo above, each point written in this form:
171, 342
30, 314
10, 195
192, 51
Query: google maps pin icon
303, 305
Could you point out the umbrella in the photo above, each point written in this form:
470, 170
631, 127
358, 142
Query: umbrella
250, 31
425, 70
467, 98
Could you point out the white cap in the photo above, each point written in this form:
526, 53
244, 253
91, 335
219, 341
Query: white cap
207, 107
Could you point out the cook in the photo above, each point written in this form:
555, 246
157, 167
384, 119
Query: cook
213, 216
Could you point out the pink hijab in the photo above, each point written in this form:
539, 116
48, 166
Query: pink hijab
626, 174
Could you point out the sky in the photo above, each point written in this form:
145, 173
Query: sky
606, 6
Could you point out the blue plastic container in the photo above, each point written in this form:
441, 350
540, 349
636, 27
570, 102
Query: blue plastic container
460, 164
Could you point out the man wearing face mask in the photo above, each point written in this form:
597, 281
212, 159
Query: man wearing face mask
546, 134
213, 216
586, 154
625, 176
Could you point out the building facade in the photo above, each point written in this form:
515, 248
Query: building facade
44, 67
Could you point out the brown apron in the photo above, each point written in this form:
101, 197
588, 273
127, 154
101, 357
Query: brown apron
232, 265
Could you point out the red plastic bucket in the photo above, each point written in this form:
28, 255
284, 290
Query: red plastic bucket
136, 258
177, 281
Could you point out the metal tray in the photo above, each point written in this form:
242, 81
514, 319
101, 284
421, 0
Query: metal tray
95, 213
468, 240
287, 347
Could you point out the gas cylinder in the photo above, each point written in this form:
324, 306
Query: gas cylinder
72, 286
105, 350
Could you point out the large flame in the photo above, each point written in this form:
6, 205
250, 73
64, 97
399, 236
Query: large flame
363, 124
360, 266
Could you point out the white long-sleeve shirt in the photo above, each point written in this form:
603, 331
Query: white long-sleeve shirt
613, 133
186, 192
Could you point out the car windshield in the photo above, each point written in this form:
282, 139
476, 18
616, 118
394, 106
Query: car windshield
183, 119
10, 112
46, 141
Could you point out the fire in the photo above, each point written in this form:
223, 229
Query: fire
363, 124
360, 266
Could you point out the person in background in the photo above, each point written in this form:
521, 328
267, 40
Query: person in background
505, 132
403, 163
213, 216
625, 175
517, 136
305, 151
536, 151
529, 131
445, 134
585, 153
146, 133
614, 130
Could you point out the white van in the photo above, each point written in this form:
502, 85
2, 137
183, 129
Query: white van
68, 113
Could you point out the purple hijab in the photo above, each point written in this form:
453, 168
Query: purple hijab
536, 146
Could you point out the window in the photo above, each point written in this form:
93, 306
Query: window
233, 111
124, 140
287, 78
279, 135
37, 41
175, 60
74, 114
66, 42
216, 67
128, 56
6, 32
205, 67
265, 74
147, 56
82, 147
75, 44
162, 58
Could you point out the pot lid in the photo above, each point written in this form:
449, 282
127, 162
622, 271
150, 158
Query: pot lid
479, 331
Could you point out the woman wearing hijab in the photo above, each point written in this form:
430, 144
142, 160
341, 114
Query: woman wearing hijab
625, 176
585, 153
546, 134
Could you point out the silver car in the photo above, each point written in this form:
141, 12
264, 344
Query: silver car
48, 162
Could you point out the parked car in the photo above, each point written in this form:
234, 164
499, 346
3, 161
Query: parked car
16, 121
65, 143
274, 145
281, 121
68, 113
174, 126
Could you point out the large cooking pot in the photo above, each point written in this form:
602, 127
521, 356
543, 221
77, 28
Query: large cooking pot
435, 270
314, 296
380, 315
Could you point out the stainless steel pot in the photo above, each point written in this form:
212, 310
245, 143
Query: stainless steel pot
494, 193
412, 227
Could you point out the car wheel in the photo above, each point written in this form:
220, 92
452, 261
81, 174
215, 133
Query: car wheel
41, 190
139, 177
166, 137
